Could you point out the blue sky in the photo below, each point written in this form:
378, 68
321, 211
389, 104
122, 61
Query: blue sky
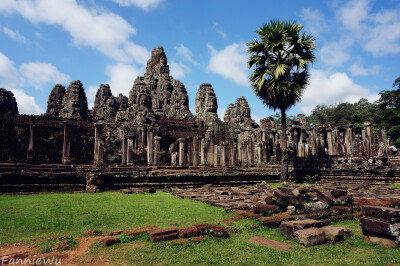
44, 42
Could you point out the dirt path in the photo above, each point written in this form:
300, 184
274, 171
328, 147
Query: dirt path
19, 254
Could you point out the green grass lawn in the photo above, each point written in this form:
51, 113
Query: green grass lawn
49, 215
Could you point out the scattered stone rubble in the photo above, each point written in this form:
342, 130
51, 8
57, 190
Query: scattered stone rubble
316, 207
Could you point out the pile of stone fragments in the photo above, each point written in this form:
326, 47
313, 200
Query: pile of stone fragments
305, 212
381, 225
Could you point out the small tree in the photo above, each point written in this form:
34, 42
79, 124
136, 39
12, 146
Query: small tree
280, 58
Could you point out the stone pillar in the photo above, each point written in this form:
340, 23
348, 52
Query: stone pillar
66, 159
234, 154
124, 147
216, 155
181, 151
98, 147
30, 157
382, 142
369, 135
189, 152
129, 151
174, 158
330, 142
259, 153
142, 142
150, 147
136, 144
244, 154
157, 149
250, 152
223, 154
202, 152
195, 151
348, 140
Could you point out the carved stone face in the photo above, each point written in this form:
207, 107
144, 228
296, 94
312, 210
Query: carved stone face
144, 100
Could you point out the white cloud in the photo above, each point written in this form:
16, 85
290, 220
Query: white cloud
178, 69
185, 54
358, 70
331, 88
353, 13
384, 37
313, 20
122, 78
221, 113
230, 62
378, 33
334, 54
105, 31
34, 74
218, 30
14, 35
26, 103
146, 5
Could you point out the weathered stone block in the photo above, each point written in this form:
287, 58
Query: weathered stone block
140, 230
265, 208
379, 226
188, 231
269, 199
109, 241
387, 214
324, 197
163, 234
314, 206
115, 233
336, 234
337, 193
287, 228
274, 221
284, 199
310, 237
383, 240
219, 231
345, 200
203, 229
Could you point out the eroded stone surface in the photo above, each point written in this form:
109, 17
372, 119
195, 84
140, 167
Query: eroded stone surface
157, 93
75, 102
238, 114
55, 101
206, 104
310, 237
8, 104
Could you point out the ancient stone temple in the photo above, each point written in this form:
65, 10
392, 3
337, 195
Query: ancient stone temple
105, 104
238, 114
75, 102
8, 104
157, 94
55, 101
206, 104
155, 128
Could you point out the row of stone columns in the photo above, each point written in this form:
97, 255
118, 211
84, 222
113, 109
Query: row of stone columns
195, 152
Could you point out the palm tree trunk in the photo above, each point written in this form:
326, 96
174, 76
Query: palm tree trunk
284, 164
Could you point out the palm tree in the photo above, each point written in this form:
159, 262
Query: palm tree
280, 59
396, 82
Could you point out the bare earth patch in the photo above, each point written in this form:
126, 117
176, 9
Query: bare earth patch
28, 254
261, 241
